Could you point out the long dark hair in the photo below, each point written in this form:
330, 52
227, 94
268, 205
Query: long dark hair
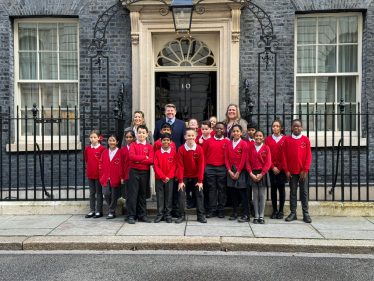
282, 131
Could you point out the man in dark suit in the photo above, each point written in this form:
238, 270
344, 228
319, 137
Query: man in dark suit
178, 127
178, 130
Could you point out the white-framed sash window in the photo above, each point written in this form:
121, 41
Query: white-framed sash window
328, 67
46, 52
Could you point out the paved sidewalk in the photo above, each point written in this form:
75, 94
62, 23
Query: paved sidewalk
48, 232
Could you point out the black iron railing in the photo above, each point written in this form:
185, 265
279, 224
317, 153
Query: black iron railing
49, 165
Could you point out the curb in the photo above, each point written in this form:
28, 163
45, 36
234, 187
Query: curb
197, 243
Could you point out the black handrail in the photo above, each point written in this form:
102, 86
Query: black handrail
42, 172
337, 167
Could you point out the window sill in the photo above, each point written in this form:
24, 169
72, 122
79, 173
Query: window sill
47, 147
330, 141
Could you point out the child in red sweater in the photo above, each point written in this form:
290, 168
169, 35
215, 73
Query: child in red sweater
251, 131
204, 134
215, 171
165, 165
277, 176
141, 158
165, 129
258, 164
190, 169
297, 157
235, 156
130, 137
111, 173
92, 155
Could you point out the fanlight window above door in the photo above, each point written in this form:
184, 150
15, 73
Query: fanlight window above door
185, 52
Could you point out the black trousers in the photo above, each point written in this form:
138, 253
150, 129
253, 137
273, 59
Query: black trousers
137, 193
96, 189
303, 193
282, 196
190, 194
175, 196
199, 197
110, 195
235, 194
216, 180
164, 194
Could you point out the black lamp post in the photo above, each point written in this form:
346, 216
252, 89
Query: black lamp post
182, 15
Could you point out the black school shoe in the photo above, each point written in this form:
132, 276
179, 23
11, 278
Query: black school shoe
244, 219
234, 216
261, 221
201, 219
291, 217
130, 220
144, 219
280, 215
175, 214
307, 218
180, 219
255, 220
169, 220
211, 214
90, 215
158, 218
111, 216
274, 215
221, 214
98, 215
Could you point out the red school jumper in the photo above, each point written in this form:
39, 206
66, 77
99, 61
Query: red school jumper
138, 156
157, 146
250, 142
199, 133
214, 151
165, 164
260, 160
92, 158
276, 149
125, 161
236, 156
204, 140
190, 163
297, 155
112, 170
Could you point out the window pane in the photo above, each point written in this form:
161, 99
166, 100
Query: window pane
48, 36
69, 95
68, 36
348, 29
304, 117
68, 66
48, 66
30, 125
305, 89
27, 36
347, 88
326, 59
50, 95
306, 31
306, 59
348, 58
27, 66
348, 119
67, 126
327, 30
321, 117
325, 89
48, 127
29, 95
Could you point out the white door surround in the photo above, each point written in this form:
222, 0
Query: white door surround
220, 23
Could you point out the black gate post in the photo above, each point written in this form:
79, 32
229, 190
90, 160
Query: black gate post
34, 114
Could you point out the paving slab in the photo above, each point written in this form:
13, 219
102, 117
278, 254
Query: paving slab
216, 222
24, 231
215, 230
285, 230
348, 234
11, 243
298, 245
81, 226
154, 229
342, 223
268, 220
123, 243
4, 218
34, 221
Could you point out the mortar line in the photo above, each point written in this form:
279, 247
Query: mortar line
368, 220
317, 230
254, 236
59, 225
124, 222
185, 226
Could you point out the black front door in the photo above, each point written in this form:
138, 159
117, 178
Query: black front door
193, 93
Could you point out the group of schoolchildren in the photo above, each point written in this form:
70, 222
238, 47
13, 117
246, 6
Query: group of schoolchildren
209, 164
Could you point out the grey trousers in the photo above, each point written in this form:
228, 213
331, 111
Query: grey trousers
110, 194
303, 194
259, 200
199, 198
96, 189
164, 195
216, 179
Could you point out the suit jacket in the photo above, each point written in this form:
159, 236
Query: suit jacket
178, 131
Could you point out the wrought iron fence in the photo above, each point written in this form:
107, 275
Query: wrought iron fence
49, 165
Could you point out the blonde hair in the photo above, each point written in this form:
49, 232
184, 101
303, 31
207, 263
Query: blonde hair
142, 114
227, 119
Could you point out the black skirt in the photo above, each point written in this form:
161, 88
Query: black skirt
265, 181
241, 182
277, 179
